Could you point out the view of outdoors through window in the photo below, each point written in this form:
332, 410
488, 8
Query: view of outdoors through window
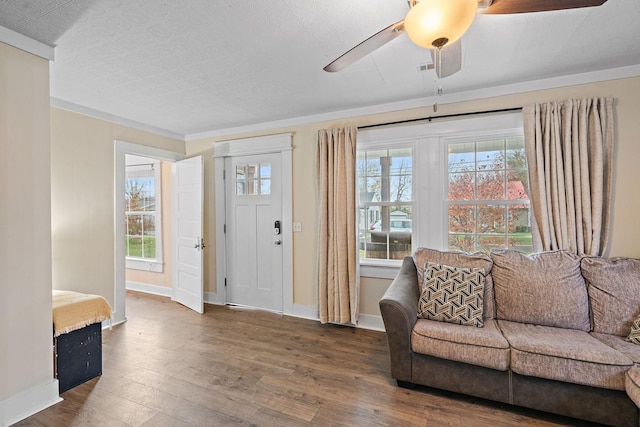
253, 179
140, 205
488, 201
385, 190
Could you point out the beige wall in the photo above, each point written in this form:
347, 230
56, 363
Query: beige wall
625, 230
149, 277
26, 364
82, 187
82, 198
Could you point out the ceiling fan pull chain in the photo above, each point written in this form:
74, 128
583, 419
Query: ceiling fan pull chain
435, 94
437, 89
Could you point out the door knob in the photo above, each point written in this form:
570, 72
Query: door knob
200, 245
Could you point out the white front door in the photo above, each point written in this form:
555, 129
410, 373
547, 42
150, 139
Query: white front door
188, 233
254, 236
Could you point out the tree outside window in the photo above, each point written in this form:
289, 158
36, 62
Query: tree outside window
488, 201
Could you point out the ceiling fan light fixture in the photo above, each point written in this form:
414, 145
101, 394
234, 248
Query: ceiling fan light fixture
430, 22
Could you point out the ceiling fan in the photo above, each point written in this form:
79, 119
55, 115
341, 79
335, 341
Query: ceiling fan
438, 25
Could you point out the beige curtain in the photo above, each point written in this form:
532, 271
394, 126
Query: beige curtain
569, 148
338, 278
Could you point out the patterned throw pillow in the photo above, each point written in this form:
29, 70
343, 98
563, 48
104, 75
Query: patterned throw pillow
452, 294
634, 335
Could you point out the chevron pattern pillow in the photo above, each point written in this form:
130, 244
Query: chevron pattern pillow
452, 294
634, 335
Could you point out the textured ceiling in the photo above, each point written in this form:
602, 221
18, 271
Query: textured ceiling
198, 66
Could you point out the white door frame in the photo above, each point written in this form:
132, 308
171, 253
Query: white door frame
122, 148
281, 144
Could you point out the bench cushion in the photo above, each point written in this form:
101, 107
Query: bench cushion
564, 355
477, 346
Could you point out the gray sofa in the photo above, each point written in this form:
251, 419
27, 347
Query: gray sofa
553, 335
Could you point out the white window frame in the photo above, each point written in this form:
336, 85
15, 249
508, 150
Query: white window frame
475, 138
144, 264
430, 168
402, 143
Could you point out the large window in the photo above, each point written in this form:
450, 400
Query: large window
488, 202
143, 247
458, 185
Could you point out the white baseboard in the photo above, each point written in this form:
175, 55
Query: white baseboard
213, 298
209, 297
365, 321
304, 312
149, 289
29, 402
371, 321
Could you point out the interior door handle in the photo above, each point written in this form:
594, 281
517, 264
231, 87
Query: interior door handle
200, 245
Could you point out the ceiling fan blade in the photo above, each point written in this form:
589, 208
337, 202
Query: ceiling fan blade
377, 40
526, 6
451, 59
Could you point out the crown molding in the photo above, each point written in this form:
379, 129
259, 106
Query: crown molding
26, 44
86, 111
447, 98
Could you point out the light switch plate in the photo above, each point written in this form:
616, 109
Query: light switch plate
297, 227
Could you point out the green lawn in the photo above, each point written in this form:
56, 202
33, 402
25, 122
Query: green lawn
134, 247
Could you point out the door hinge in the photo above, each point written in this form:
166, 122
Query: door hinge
224, 174
224, 228
225, 282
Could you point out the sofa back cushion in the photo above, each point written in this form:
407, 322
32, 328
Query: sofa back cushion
542, 289
614, 291
461, 260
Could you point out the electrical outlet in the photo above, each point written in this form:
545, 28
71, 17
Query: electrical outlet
297, 227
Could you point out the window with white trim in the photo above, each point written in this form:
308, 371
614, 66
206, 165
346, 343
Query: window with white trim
487, 195
143, 229
455, 185
385, 189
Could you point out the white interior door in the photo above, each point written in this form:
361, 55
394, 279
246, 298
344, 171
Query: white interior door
188, 233
254, 237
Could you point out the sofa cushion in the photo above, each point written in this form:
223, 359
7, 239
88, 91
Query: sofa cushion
452, 294
632, 385
462, 260
614, 290
632, 351
477, 346
564, 355
543, 289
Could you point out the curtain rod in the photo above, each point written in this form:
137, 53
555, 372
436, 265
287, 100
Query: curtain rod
445, 116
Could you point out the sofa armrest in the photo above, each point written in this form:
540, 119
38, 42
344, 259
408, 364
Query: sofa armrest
399, 307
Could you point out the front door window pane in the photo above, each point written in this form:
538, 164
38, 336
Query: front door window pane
253, 179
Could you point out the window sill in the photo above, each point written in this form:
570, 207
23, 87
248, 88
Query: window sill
380, 271
145, 265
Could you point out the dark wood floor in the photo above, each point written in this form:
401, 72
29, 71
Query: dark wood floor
168, 366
